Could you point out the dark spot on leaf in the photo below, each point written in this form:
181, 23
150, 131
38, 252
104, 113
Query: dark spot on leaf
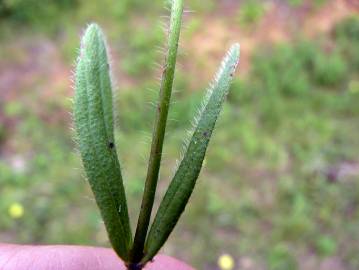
111, 145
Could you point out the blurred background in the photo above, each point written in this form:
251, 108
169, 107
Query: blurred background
280, 184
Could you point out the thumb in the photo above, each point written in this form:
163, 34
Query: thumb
61, 257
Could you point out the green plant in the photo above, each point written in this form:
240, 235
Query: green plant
281, 258
298, 3
329, 69
326, 245
34, 12
346, 34
93, 115
251, 12
295, 2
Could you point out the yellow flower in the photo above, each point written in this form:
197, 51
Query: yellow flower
226, 262
16, 210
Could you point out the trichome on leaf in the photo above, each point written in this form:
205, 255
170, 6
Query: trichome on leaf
93, 117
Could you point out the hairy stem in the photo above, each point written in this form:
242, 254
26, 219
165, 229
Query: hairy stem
158, 132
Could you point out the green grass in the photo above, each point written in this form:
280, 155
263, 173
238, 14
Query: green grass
298, 3
250, 12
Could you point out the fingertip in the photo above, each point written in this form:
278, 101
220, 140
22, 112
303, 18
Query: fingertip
19, 257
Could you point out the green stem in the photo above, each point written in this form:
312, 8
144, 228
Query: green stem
158, 132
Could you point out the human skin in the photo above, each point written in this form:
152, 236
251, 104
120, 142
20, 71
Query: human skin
61, 257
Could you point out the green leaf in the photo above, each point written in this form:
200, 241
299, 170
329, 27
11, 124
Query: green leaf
93, 117
181, 187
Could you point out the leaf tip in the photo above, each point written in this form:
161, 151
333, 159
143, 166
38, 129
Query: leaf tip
235, 50
92, 28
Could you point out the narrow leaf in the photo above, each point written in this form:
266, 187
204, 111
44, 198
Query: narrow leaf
93, 117
181, 187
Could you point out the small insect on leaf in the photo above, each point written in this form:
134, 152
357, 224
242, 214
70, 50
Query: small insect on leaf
181, 187
95, 135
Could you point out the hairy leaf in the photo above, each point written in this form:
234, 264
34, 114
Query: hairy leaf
181, 187
94, 127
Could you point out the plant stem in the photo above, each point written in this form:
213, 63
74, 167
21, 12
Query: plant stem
158, 132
